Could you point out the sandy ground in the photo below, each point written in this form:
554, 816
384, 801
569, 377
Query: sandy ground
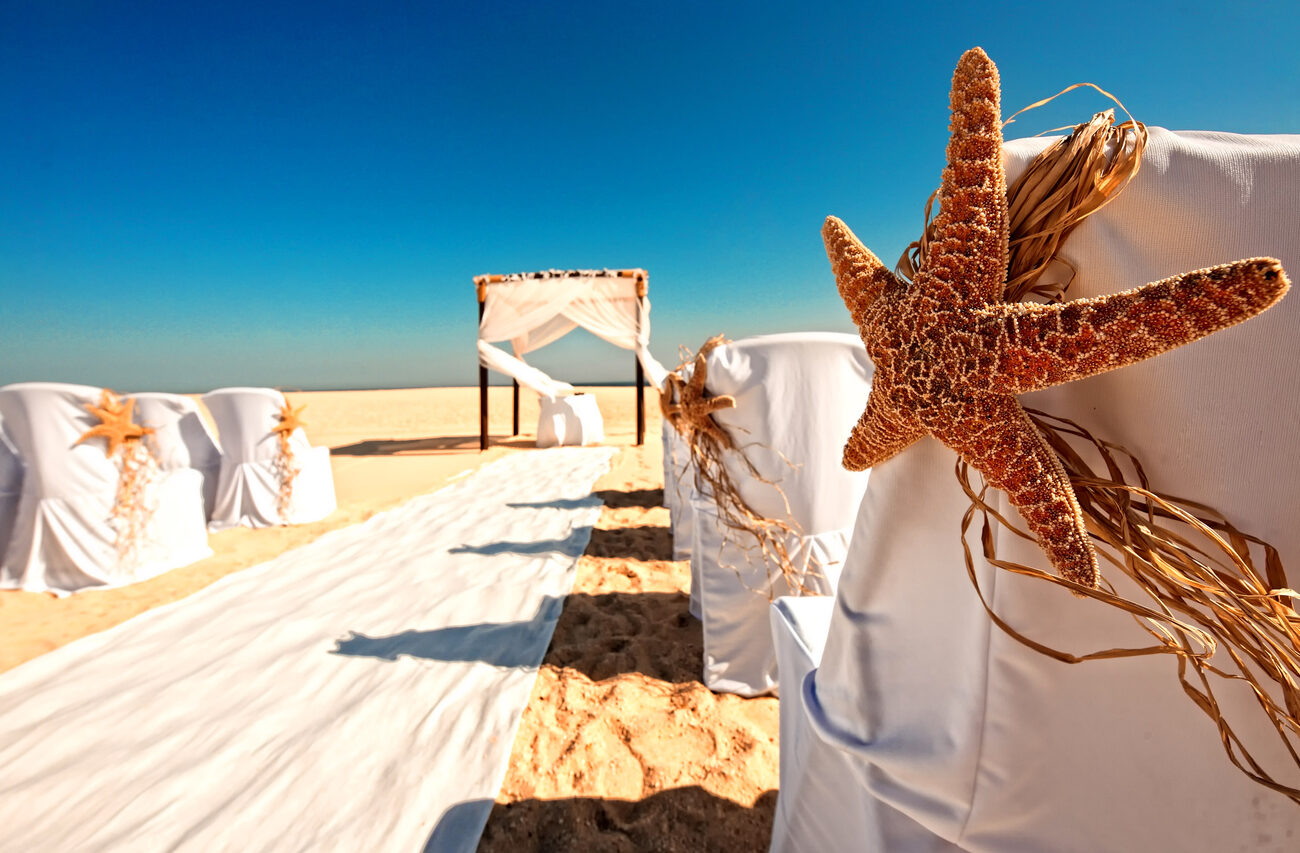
621, 747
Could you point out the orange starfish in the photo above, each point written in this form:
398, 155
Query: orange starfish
951, 356
115, 425
290, 420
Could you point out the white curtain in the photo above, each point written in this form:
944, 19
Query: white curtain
532, 313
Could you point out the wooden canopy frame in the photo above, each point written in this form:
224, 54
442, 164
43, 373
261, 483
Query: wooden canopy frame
481, 284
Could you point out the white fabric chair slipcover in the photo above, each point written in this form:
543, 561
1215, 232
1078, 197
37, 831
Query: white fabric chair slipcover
248, 489
997, 748
799, 628
181, 438
573, 419
679, 488
62, 538
797, 398
11, 484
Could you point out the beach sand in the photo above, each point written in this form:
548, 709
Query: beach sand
621, 747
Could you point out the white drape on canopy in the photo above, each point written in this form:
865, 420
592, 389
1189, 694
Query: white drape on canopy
532, 312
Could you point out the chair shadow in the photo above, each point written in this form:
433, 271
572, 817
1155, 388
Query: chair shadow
504, 644
625, 543
600, 636
417, 446
612, 498
648, 542
679, 819
644, 498
571, 545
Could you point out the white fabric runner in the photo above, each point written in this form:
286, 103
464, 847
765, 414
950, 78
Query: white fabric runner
344, 696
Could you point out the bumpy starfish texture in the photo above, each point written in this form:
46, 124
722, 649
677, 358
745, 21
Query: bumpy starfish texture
950, 355
115, 425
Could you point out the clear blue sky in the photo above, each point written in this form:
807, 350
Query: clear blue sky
195, 195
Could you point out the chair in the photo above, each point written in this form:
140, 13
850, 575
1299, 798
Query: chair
248, 489
679, 487
11, 484
936, 713
181, 438
797, 398
63, 538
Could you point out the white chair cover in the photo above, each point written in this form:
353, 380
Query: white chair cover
11, 484
797, 398
993, 746
570, 420
181, 438
62, 538
799, 627
248, 489
679, 487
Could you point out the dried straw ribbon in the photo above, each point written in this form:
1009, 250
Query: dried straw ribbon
1205, 588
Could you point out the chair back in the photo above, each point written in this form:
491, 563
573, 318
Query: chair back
245, 418
798, 396
180, 438
43, 421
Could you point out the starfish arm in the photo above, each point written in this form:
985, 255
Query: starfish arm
967, 259
1043, 345
859, 274
878, 435
1013, 456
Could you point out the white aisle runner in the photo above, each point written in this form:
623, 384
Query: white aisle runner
343, 696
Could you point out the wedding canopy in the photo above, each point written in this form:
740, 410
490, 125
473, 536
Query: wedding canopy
532, 310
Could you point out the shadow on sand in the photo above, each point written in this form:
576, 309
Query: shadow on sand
417, 446
601, 636
680, 819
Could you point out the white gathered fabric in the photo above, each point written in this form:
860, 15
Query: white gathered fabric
814, 775
11, 485
531, 313
180, 438
797, 398
992, 746
248, 488
62, 538
573, 420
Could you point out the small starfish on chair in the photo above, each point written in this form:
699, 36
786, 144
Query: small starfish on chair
692, 410
290, 420
951, 356
115, 425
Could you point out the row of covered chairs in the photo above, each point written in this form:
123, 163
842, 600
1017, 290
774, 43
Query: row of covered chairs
61, 525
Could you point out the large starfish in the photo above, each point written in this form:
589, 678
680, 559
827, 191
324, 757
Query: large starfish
951, 356
115, 425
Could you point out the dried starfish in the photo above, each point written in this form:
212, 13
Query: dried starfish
691, 413
115, 424
951, 356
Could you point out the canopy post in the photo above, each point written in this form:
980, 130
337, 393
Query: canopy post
641, 288
482, 386
640, 403
516, 423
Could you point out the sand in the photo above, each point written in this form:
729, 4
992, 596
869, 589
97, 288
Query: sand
621, 747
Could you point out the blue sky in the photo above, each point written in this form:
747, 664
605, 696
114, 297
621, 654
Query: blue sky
195, 195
